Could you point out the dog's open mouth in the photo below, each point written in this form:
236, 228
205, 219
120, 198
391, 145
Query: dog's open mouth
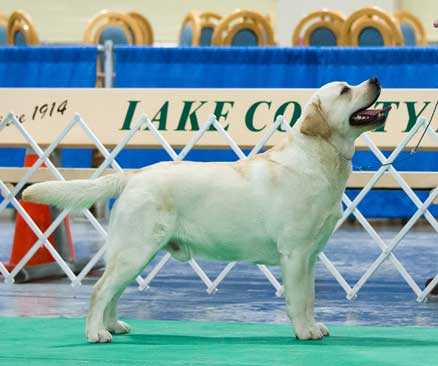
366, 116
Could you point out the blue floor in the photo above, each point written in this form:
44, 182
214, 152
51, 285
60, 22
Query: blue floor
245, 294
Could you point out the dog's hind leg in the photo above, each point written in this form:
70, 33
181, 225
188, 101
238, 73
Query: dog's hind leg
121, 269
112, 324
138, 230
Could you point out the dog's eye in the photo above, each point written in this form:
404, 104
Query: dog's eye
344, 90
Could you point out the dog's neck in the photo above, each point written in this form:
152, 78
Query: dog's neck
335, 146
344, 149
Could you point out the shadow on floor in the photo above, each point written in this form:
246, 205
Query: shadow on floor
172, 340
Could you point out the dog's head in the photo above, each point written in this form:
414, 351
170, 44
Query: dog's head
343, 111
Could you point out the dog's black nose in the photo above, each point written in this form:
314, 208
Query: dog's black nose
375, 81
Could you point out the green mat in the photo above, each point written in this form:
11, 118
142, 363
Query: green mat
59, 341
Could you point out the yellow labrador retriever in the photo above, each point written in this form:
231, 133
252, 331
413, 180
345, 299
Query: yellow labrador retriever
277, 208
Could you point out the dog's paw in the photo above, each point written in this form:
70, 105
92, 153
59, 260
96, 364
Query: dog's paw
99, 336
324, 330
118, 327
308, 331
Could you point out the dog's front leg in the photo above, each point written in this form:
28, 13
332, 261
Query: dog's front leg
297, 268
310, 306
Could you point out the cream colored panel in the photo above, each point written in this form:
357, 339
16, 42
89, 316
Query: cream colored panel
177, 113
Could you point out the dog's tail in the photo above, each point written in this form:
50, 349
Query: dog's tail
76, 194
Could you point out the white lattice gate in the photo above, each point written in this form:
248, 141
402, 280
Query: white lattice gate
387, 248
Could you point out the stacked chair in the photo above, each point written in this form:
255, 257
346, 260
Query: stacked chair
240, 28
244, 28
190, 33
145, 27
20, 30
122, 29
412, 29
118, 27
319, 28
209, 22
197, 28
371, 27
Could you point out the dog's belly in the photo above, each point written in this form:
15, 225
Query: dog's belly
217, 213
260, 252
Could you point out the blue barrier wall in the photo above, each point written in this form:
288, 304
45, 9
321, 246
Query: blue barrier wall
273, 67
48, 67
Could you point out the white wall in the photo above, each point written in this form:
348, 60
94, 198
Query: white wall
65, 20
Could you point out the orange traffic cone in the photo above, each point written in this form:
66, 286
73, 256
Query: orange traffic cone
42, 263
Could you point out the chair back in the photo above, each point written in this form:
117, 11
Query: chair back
372, 27
412, 29
117, 27
244, 28
3, 29
209, 21
319, 28
190, 32
145, 27
20, 30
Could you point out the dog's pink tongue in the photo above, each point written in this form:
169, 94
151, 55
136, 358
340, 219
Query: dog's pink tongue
374, 112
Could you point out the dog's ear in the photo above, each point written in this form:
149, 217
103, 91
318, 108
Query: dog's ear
315, 121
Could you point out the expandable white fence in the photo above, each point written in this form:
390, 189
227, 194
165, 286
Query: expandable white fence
387, 247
